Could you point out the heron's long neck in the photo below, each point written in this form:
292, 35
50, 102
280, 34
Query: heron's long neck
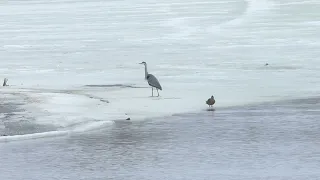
145, 71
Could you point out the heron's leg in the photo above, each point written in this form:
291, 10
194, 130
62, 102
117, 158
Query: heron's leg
157, 92
152, 91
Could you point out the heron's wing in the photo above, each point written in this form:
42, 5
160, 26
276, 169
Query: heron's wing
153, 81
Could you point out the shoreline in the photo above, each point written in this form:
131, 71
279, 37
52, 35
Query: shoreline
15, 115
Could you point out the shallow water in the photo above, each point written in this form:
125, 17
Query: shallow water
268, 141
74, 78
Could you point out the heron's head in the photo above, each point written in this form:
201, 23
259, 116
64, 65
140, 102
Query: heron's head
144, 63
212, 97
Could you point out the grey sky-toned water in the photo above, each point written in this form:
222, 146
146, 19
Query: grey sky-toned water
74, 78
277, 140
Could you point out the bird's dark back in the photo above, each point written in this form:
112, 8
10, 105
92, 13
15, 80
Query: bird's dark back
153, 81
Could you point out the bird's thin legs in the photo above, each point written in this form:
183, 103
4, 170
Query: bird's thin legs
157, 92
152, 91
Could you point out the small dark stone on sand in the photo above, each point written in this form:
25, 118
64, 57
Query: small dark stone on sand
128, 119
102, 100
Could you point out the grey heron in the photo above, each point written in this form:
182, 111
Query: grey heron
152, 80
211, 101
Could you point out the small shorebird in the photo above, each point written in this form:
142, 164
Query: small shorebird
211, 101
5, 82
